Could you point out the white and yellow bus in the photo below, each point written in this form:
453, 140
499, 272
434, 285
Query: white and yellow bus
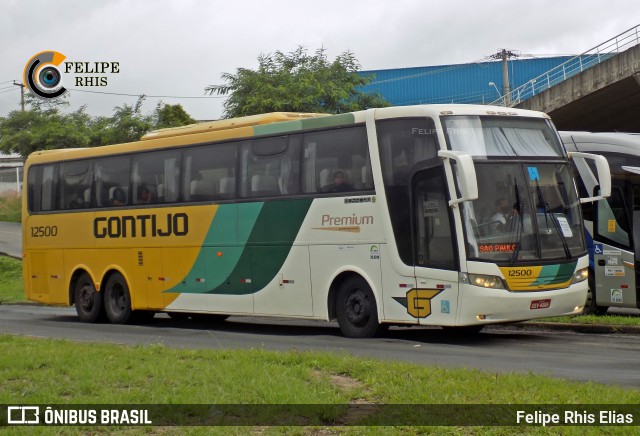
374, 218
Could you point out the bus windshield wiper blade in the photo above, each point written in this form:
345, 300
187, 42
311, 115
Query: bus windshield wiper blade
542, 204
519, 225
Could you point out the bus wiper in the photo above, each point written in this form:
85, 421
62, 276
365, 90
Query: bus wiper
542, 204
519, 225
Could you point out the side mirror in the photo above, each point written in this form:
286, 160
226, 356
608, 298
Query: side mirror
466, 175
603, 179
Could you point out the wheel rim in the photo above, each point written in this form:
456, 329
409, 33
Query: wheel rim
118, 298
357, 308
86, 300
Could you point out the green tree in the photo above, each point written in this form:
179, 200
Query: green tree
297, 82
127, 124
44, 126
171, 115
43, 129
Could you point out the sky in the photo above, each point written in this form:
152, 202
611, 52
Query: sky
179, 47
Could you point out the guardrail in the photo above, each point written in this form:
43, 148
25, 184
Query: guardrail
573, 66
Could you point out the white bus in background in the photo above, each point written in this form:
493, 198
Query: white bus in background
612, 225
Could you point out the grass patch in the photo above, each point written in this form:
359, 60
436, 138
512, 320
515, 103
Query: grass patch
11, 286
45, 371
11, 208
621, 320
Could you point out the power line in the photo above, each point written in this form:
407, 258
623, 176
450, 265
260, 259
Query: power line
9, 90
2, 83
143, 95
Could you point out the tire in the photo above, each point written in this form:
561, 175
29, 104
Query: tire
88, 301
356, 309
590, 306
117, 300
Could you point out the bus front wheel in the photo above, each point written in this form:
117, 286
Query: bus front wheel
117, 300
88, 301
590, 306
356, 309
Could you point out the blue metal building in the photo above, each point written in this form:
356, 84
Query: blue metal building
458, 83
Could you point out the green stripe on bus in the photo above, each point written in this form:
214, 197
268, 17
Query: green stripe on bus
226, 230
304, 124
268, 247
553, 274
265, 235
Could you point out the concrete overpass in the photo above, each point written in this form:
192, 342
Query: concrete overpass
597, 91
603, 98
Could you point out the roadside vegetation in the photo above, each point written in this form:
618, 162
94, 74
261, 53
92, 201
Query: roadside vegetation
11, 288
10, 208
613, 320
46, 371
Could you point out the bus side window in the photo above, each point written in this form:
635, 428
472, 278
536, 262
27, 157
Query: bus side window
75, 180
270, 166
209, 172
48, 189
32, 176
153, 170
342, 151
112, 173
612, 223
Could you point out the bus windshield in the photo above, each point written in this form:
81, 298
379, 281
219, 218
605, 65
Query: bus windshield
524, 212
502, 136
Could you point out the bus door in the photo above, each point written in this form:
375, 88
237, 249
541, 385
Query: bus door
434, 300
613, 256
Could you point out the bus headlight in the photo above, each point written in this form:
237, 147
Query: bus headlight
580, 276
484, 281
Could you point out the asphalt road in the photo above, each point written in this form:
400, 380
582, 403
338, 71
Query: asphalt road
11, 239
602, 358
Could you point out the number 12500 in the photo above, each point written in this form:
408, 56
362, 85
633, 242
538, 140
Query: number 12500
44, 231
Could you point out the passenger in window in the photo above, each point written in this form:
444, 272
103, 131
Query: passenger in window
144, 195
118, 197
339, 184
501, 220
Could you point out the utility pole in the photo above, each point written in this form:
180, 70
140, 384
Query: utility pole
21, 93
504, 55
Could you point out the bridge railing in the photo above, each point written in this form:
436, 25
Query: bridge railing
573, 66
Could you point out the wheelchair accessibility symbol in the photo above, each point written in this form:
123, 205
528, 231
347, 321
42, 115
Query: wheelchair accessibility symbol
597, 249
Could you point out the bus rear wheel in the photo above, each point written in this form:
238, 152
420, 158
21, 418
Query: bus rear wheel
117, 299
88, 301
356, 309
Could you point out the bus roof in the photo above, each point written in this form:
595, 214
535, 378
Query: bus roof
615, 142
232, 123
270, 124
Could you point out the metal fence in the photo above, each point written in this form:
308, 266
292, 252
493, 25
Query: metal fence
573, 66
10, 181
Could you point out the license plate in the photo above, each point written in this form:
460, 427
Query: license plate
540, 304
